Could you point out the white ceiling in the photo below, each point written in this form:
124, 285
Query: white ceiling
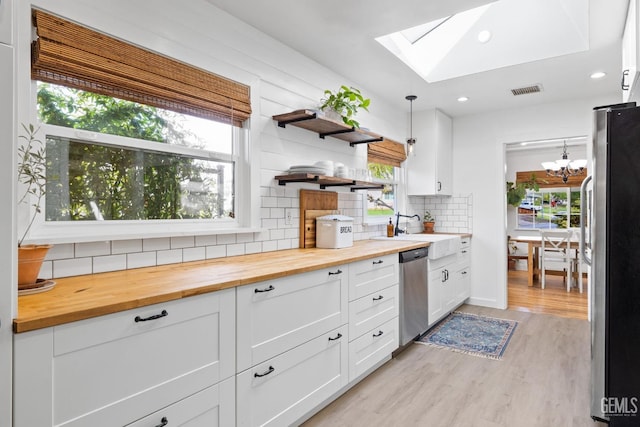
340, 34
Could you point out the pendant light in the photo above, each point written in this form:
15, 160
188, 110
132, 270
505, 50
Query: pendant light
564, 167
411, 141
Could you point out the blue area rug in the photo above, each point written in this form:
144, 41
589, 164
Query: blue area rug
471, 334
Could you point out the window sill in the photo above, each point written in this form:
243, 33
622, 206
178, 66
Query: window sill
82, 233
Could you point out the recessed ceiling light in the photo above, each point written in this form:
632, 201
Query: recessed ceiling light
598, 75
463, 99
484, 36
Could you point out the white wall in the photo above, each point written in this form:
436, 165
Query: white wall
281, 80
479, 169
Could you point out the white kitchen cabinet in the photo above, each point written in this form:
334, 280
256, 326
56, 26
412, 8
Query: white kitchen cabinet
442, 287
430, 166
283, 389
371, 275
6, 22
372, 347
211, 407
279, 314
116, 369
463, 271
372, 310
631, 54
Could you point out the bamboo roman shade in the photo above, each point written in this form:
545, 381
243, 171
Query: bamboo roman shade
71, 55
545, 181
386, 152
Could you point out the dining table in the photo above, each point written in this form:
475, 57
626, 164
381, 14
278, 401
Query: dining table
533, 251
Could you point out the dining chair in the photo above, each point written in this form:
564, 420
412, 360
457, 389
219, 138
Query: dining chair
556, 248
513, 258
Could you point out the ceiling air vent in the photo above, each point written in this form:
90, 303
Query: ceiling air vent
526, 90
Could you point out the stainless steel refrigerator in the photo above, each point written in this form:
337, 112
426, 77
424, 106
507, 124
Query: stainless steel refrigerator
611, 244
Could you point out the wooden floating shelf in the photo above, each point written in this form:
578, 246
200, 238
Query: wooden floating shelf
317, 122
328, 181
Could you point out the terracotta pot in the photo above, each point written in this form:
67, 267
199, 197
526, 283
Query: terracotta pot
428, 226
30, 258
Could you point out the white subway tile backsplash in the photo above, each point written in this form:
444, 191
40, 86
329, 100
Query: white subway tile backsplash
269, 246
277, 191
126, 246
62, 251
284, 202
172, 256
235, 249
226, 239
284, 244
46, 270
141, 259
182, 242
276, 234
103, 264
277, 213
269, 202
194, 254
291, 233
156, 244
253, 248
72, 267
270, 223
92, 249
244, 238
206, 240
219, 251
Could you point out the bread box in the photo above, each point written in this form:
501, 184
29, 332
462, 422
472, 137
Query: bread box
334, 231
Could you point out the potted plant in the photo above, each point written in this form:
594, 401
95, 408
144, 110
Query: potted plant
345, 102
31, 173
429, 222
516, 192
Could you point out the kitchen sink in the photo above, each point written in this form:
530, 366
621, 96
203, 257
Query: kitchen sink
441, 244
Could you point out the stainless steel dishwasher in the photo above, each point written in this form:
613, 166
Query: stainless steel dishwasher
413, 294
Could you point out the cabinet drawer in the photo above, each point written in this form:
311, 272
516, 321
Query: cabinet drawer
367, 312
371, 275
279, 314
131, 368
283, 389
212, 407
372, 347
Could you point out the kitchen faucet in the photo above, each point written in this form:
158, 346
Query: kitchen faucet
398, 215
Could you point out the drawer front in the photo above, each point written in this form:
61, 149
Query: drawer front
465, 242
212, 407
372, 347
283, 389
371, 275
367, 312
279, 314
132, 368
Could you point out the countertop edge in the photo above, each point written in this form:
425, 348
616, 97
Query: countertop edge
31, 317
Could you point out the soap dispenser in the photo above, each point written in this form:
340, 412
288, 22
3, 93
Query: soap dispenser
390, 228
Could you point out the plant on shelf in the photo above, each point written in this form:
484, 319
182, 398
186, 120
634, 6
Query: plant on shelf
32, 164
429, 222
517, 192
345, 102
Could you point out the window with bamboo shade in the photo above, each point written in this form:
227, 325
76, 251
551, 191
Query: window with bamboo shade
75, 56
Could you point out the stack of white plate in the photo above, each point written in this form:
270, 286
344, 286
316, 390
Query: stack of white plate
326, 165
314, 170
341, 171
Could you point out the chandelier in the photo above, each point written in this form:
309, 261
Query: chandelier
564, 167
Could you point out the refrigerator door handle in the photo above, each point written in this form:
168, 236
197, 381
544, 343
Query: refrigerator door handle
583, 213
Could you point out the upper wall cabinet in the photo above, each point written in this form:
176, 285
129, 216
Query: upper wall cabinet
430, 165
6, 21
630, 54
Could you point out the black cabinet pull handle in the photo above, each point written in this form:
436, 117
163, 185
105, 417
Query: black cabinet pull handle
623, 83
378, 334
269, 289
464, 252
439, 186
336, 338
378, 262
464, 272
332, 273
163, 422
163, 313
270, 370
378, 298
444, 276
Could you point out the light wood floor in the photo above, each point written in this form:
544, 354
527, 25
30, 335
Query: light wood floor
553, 299
542, 381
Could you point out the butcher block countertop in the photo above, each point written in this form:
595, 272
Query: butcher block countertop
83, 297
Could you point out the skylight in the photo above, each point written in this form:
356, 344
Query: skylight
495, 35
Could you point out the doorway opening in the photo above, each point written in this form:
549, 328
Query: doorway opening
548, 202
